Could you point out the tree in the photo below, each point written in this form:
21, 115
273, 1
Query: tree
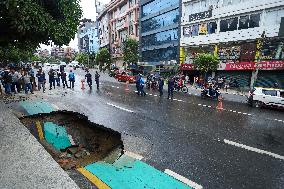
206, 62
130, 51
103, 58
82, 58
27, 23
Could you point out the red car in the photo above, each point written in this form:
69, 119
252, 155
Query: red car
124, 76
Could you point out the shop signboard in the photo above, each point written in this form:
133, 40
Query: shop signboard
263, 65
242, 66
200, 15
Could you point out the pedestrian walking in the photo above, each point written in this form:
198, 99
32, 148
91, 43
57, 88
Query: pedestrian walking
32, 74
63, 76
171, 84
51, 79
97, 79
161, 86
88, 76
71, 78
41, 80
142, 84
28, 84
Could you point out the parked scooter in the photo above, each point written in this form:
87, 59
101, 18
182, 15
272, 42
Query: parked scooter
212, 93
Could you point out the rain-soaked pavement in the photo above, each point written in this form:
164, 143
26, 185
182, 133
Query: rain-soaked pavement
188, 135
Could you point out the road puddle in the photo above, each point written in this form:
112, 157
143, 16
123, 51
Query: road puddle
72, 140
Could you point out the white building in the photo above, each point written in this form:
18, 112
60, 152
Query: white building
103, 22
232, 29
88, 39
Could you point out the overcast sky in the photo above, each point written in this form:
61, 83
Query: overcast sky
89, 11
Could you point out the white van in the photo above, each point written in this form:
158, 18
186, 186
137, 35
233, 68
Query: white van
266, 97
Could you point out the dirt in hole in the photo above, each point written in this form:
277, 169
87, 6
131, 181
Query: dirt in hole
92, 142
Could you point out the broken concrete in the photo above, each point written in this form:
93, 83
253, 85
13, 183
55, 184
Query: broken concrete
93, 142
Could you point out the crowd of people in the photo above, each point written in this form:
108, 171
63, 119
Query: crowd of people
17, 80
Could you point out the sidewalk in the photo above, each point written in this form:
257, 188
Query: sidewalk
24, 162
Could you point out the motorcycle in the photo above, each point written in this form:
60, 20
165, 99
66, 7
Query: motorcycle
214, 94
152, 84
183, 88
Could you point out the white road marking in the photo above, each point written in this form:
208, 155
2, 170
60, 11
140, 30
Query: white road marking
180, 100
239, 112
117, 87
235, 111
71, 140
56, 107
151, 94
155, 95
116, 106
249, 114
199, 104
183, 179
174, 99
209, 106
253, 149
133, 155
204, 105
245, 113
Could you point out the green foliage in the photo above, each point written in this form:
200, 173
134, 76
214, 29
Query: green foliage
205, 62
13, 54
27, 23
82, 58
103, 57
130, 51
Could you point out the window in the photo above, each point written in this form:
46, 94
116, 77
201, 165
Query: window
160, 38
244, 22
254, 20
229, 24
157, 55
157, 5
162, 20
270, 92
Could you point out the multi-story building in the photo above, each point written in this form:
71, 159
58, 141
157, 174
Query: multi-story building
57, 52
123, 24
234, 30
88, 39
103, 27
43, 53
159, 31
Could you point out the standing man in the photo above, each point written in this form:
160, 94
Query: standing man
63, 78
15, 79
71, 77
142, 83
97, 79
138, 84
41, 79
171, 84
161, 86
51, 79
57, 78
28, 85
88, 76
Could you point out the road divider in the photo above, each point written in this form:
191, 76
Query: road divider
253, 149
121, 108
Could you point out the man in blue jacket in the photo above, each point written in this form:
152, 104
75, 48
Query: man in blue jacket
161, 86
71, 77
41, 80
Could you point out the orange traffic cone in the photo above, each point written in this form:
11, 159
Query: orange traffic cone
82, 83
220, 103
126, 86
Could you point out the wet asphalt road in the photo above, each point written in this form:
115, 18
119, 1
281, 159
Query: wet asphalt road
187, 135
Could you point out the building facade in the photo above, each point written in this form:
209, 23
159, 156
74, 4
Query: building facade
123, 24
234, 30
103, 23
88, 38
159, 31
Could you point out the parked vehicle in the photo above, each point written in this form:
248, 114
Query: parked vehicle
214, 94
183, 88
124, 76
259, 97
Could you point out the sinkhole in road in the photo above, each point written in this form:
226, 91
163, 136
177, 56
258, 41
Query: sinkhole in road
73, 140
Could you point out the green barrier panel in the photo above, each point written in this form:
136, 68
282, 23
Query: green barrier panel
129, 173
36, 107
56, 135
